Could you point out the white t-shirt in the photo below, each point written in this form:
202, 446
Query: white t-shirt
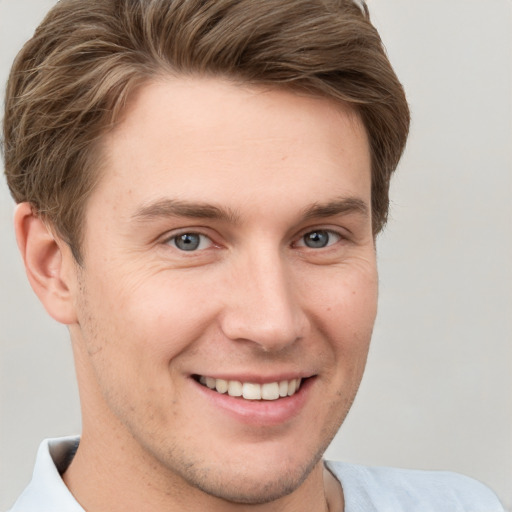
365, 489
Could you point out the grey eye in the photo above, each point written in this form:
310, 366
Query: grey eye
187, 241
319, 239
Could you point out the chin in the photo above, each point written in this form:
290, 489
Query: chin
247, 487
252, 481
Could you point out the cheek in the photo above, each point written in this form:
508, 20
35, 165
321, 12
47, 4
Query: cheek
153, 318
346, 305
129, 335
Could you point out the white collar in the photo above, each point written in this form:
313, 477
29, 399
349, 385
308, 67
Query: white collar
47, 492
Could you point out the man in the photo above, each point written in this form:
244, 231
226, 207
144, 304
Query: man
200, 185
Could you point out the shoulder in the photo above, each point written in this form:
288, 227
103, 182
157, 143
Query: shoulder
382, 489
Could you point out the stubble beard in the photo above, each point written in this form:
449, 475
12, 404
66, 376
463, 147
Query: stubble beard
245, 486
241, 487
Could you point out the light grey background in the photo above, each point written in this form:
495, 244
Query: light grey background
438, 387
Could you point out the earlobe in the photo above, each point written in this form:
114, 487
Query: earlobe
48, 262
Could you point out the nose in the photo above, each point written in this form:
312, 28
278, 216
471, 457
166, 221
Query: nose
264, 305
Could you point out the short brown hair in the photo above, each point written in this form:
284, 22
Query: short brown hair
70, 82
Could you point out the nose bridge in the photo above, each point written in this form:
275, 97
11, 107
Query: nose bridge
264, 306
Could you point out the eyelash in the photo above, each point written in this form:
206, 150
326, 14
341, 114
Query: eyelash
195, 246
175, 239
322, 231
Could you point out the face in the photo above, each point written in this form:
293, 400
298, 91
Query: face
228, 291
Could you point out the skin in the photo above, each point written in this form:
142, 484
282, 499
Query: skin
253, 301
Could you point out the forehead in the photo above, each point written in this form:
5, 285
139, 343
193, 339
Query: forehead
208, 139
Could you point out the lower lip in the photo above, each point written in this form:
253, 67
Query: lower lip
259, 412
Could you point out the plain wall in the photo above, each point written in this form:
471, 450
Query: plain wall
438, 388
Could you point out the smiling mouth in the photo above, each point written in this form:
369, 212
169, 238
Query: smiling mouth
251, 390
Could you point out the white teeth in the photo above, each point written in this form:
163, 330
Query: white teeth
235, 388
221, 385
270, 391
251, 390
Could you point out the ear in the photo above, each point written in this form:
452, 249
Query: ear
50, 266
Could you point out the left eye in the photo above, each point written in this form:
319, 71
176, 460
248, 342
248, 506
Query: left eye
190, 241
319, 239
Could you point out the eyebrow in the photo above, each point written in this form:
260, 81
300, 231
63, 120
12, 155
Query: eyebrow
176, 208
341, 206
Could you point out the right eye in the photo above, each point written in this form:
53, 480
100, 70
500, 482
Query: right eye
190, 242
